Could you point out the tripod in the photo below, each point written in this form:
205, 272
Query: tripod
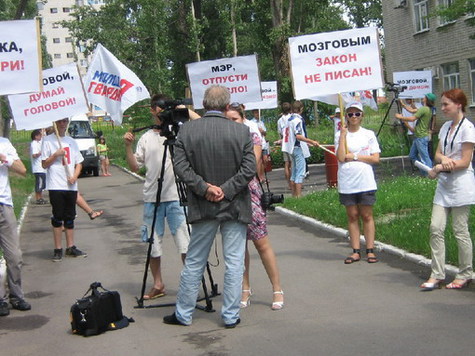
395, 99
169, 142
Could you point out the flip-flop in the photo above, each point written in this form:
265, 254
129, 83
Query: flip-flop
154, 293
95, 214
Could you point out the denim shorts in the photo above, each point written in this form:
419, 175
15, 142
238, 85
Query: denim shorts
175, 216
298, 166
362, 198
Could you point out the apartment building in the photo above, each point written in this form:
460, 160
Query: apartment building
416, 39
62, 47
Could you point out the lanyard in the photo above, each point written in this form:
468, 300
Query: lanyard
453, 138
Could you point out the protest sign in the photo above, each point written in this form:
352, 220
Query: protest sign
269, 97
111, 85
20, 57
239, 74
334, 62
416, 83
62, 96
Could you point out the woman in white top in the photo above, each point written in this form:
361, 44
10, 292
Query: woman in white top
455, 191
357, 150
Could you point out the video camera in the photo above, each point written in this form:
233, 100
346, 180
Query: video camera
171, 117
395, 88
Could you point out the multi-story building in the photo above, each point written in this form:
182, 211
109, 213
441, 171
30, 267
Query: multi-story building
417, 39
62, 47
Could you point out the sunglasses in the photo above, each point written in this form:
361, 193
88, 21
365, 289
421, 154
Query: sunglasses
351, 114
235, 105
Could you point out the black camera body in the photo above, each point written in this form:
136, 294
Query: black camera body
395, 88
268, 199
172, 117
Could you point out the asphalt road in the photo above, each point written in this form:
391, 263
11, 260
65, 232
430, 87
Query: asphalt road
330, 308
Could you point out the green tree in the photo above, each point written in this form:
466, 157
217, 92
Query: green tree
458, 9
363, 12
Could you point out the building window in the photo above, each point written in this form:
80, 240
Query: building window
421, 15
445, 4
68, 39
53, 10
83, 63
57, 55
56, 40
55, 25
472, 77
451, 75
66, 9
70, 55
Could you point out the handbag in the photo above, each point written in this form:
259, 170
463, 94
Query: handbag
98, 312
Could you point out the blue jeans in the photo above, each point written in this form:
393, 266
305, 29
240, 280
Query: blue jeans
234, 243
420, 151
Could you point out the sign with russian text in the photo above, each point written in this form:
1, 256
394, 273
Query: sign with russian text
269, 97
112, 86
20, 57
413, 84
334, 62
239, 74
62, 96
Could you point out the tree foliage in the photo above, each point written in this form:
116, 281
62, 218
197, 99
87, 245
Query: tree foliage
157, 38
459, 9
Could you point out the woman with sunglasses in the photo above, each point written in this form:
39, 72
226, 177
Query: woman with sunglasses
257, 230
357, 150
455, 191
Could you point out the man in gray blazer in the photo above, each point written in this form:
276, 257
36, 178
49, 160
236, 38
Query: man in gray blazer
214, 157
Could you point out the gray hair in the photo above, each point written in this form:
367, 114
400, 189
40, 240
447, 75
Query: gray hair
216, 97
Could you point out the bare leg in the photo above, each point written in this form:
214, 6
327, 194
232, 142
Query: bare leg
297, 190
366, 213
155, 268
81, 202
57, 235
269, 261
287, 173
352, 213
69, 237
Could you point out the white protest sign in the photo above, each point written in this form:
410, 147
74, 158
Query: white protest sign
239, 74
112, 86
62, 96
269, 97
334, 62
20, 57
417, 83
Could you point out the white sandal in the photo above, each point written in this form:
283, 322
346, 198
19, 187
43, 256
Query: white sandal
278, 305
244, 303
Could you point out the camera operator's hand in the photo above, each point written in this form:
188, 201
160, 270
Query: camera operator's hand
129, 138
214, 194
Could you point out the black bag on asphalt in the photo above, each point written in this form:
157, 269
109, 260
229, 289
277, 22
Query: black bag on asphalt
98, 312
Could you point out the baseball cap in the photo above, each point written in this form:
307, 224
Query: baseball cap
431, 97
337, 110
356, 105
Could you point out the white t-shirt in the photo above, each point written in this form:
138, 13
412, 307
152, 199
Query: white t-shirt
336, 125
282, 123
357, 176
458, 187
253, 129
406, 113
56, 176
35, 148
294, 127
260, 124
9, 151
149, 154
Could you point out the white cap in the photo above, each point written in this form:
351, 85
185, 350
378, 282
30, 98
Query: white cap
355, 104
337, 110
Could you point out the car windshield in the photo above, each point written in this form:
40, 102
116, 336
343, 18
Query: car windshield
80, 129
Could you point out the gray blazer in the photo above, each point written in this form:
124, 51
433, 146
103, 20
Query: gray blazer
218, 151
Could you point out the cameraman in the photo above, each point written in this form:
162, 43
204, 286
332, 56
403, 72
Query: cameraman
419, 148
149, 154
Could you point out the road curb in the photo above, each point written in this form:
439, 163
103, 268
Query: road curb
337, 231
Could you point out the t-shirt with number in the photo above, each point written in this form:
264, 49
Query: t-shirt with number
357, 176
295, 126
56, 174
11, 155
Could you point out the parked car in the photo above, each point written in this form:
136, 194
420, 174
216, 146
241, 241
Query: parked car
81, 130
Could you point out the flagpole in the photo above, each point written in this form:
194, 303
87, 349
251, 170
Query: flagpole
342, 116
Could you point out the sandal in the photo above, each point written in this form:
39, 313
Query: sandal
245, 302
278, 305
95, 214
349, 260
456, 285
371, 259
154, 293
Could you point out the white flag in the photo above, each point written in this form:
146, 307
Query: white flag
112, 86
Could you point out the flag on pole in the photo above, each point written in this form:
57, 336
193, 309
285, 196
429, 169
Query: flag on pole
112, 86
